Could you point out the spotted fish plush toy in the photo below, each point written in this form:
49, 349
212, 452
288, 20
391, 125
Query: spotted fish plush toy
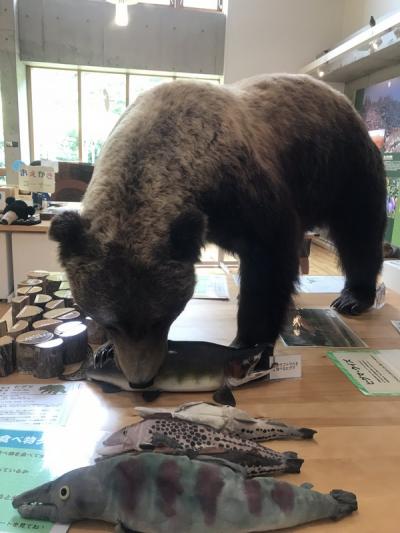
229, 420
179, 435
156, 493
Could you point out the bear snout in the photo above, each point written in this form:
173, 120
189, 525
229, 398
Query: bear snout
141, 360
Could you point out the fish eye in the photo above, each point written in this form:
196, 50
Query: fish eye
64, 492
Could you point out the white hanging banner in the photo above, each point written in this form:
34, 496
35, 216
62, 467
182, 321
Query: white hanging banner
37, 179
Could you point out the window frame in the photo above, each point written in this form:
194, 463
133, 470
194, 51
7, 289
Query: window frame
127, 72
180, 4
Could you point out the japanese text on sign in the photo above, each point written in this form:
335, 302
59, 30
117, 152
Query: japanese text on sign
37, 179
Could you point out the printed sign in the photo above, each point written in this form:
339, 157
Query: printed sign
286, 366
211, 286
37, 179
396, 324
22, 467
318, 327
321, 284
373, 372
36, 406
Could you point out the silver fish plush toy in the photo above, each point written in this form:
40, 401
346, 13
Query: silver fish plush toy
190, 366
175, 434
156, 493
229, 420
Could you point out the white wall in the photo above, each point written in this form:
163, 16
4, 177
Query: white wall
278, 35
358, 12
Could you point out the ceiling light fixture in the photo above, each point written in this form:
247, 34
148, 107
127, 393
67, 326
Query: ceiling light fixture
321, 73
376, 43
121, 13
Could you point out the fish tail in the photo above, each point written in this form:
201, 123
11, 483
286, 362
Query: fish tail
290, 455
307, 433
272, 429
293, 465
346, 503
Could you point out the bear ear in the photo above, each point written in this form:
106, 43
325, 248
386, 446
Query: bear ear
187, 236
68, 229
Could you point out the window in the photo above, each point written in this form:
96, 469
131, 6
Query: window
103, 102
214, 5
139, 84
2, 155
160, 2
73, 112
202, 4
55, 114
211, 80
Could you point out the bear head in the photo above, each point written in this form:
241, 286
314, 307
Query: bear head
136, 301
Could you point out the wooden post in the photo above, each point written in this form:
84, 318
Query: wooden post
31, 282
96, 333
54, 304
48, 359
25, 352
74, 335
40, 274
3, 328
30, 313
41, 300
29, 291
54, 281
17, 304
65, 295
18, 328
7, 356
49, 324
65, 314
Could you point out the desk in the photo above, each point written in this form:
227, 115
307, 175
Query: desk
357, 447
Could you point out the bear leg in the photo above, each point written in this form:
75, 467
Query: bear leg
267, 278
358, 236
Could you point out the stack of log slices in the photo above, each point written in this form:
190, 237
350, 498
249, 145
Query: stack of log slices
48, 329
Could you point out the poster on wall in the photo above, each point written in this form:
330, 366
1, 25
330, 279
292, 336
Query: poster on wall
379, 105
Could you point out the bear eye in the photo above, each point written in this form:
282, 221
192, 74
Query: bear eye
64, 492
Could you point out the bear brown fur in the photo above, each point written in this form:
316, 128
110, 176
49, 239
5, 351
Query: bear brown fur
249, 167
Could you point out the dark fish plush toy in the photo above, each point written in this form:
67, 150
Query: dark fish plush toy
190, 366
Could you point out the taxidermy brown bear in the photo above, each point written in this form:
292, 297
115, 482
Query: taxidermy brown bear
249, 167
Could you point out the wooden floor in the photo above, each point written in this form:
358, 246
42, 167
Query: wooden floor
323, 262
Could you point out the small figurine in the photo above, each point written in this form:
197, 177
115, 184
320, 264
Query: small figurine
16, 210
229, 420
162, 493
158, 433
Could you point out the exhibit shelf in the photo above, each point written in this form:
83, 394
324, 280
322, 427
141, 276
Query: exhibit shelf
365, 52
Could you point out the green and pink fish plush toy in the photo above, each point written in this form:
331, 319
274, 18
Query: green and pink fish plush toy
157, 493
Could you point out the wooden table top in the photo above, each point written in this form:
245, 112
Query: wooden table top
43, 227
357, 446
